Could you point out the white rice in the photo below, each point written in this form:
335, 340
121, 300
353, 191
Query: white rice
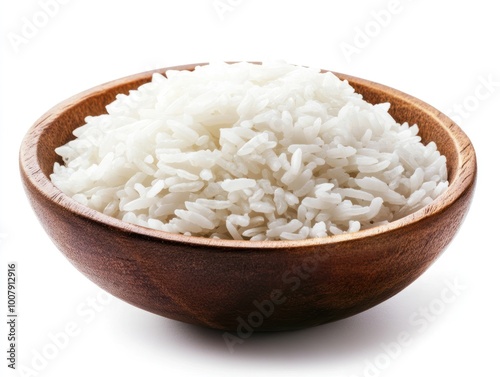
245, 151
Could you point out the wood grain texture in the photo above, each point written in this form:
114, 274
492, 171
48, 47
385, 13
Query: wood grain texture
219, 283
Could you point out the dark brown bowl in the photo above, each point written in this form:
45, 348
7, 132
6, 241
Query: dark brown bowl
238, 285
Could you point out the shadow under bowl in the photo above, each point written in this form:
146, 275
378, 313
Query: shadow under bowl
229, 284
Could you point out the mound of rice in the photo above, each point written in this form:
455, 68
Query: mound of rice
245, 151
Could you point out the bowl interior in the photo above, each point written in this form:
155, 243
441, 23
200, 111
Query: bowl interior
57, 127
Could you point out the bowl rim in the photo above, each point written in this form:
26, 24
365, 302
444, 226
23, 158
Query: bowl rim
32, 174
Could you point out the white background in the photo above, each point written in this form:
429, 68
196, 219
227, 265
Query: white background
441, 52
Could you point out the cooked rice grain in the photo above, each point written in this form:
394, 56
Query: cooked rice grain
246, 151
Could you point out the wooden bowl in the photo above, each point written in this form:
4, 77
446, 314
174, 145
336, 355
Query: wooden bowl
242, 285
